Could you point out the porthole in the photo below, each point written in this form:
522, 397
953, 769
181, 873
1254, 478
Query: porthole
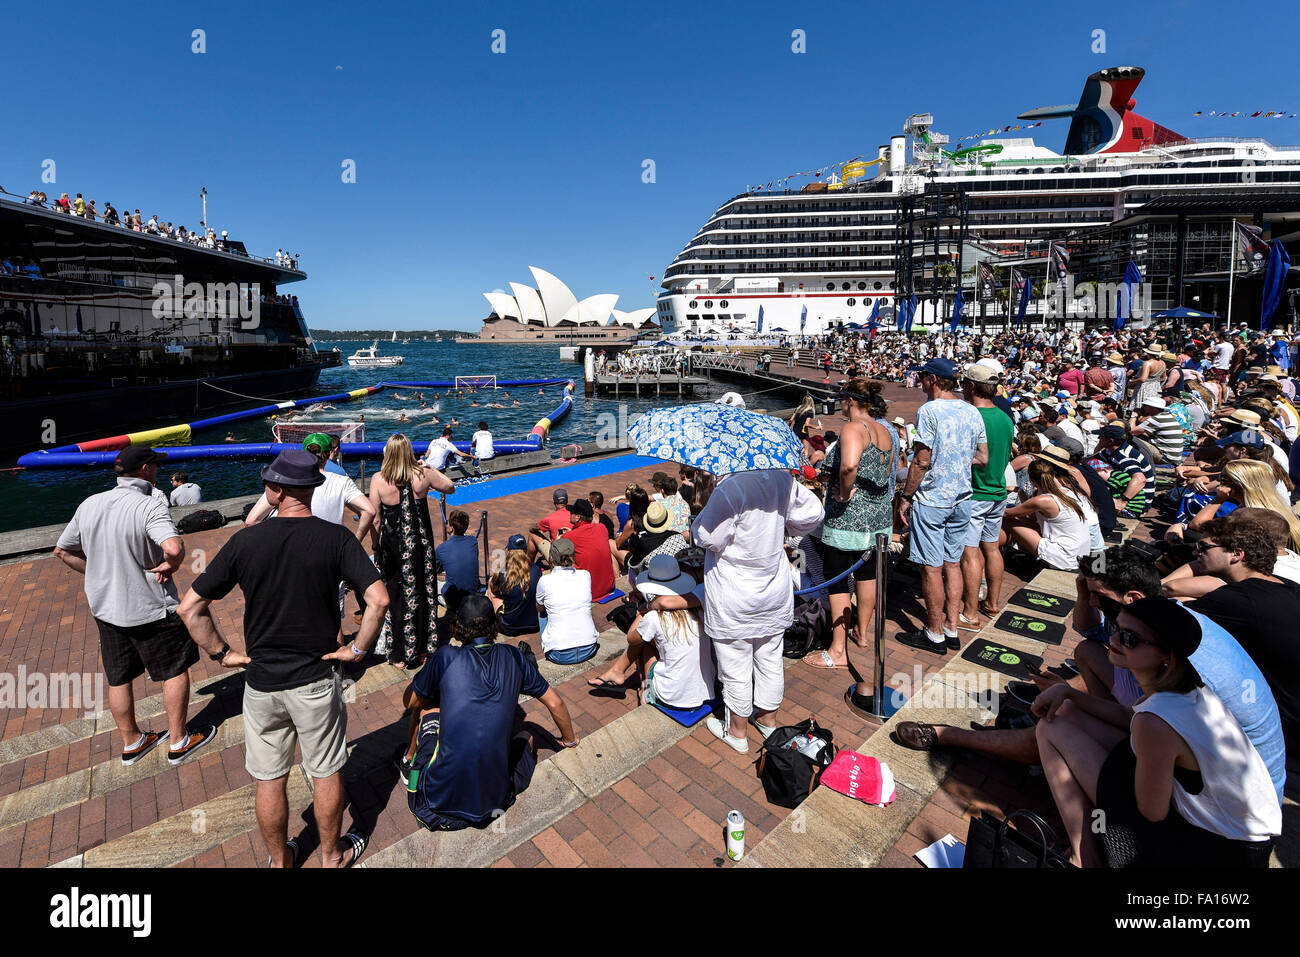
723, 304
853, 302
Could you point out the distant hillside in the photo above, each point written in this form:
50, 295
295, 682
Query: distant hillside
336, 335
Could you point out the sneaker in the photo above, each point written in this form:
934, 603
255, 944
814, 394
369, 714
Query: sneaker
953, 641
763, 729
151, 739
197, 740
919, 639
719, 731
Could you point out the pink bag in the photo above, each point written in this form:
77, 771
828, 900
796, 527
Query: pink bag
861, 777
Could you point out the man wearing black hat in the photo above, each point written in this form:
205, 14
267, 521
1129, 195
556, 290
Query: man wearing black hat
289, 568
124, 543
1132, 477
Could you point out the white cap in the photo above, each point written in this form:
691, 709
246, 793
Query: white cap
1153, 402
992, 364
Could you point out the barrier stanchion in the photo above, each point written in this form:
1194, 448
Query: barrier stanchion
880, 707
483, 527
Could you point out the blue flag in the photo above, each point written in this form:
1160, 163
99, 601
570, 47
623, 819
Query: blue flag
1132, 277
803, 318
911, 312
900, 312
1024, 287
760, 318
1274, 279
958, 304
875, 314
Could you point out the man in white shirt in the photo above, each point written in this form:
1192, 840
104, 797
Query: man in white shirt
185, 492
442, 451
329, 501
483, 449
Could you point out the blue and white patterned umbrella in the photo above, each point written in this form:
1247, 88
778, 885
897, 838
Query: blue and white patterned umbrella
717, 438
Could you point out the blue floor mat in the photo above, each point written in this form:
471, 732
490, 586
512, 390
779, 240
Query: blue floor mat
688, 719
545, 478
616, 593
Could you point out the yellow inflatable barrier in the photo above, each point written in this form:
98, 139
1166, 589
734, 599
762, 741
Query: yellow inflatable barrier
359, 393
168, 435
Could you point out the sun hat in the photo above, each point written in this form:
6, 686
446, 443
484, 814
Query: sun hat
1169, 357
1115, 357
1153, 402
1243, 417
662, 575
1246, 437
136, 456
1154, 352
294, 469
817, 442
993, 364
898, 420
1173, 624
1071, 445
656, 518
1053, 455
318, 439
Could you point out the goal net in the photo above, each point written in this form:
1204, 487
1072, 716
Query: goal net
293, 433
476, 382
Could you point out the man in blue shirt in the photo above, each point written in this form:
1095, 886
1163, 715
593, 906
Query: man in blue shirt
458, 556
469, 754
950, 439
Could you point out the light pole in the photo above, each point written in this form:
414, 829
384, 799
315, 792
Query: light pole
203, 194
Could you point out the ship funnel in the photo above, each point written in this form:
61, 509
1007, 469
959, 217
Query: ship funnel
897, 153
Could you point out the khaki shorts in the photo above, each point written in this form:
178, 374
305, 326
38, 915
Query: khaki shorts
275, 721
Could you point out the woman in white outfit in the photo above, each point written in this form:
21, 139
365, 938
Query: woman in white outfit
749, 589
1053, 524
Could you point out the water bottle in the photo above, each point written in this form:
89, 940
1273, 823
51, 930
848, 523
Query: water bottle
735, 826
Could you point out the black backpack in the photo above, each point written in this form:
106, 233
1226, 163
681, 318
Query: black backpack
811, 629
204, 520
789, 775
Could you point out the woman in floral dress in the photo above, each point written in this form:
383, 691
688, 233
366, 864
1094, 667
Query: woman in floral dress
404, 553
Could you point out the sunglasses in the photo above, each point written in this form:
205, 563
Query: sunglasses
1200, 548
1130, 639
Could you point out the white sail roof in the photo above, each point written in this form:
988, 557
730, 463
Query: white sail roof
530, 304
557, 299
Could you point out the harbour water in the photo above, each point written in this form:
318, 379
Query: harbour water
49, 496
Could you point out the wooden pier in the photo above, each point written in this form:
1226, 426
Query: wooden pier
649, 384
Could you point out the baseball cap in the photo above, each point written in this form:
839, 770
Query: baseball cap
977, 372
809, 473
318, 439
1115, 432
559, 496
562, 548
516, 543
582, 509
941, 367
475, 610
136, 456
993, 364
1246, 437
1071, 445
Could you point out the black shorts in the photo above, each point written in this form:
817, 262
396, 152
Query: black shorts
836, 561
163, 646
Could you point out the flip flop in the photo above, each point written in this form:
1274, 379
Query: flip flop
605, 688
826, 665
358, 843
292, 845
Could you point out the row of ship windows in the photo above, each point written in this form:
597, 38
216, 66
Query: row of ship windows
830, 287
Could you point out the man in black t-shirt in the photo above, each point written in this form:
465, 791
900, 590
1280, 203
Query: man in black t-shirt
288, 568
1257, 608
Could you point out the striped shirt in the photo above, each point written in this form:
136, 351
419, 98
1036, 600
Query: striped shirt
1166, 434
1130, 460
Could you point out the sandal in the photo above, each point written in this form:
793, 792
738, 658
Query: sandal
605, 688
358, 843
292, 845
826, 662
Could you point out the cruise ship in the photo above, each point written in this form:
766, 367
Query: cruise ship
105, 329
807, 260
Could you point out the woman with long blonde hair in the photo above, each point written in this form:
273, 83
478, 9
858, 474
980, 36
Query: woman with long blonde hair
404, 552
513, 589
1053, 524
1250, 484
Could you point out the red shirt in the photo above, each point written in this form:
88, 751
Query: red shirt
556, 524
591, 554
1070, 381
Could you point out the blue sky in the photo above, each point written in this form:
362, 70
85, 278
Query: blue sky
471, 166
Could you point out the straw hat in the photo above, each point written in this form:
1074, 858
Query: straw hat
1155, 352
1115, 357
656, 518
1243, 417
1053, 455
1169, 357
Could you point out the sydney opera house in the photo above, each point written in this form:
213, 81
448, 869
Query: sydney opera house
551, 312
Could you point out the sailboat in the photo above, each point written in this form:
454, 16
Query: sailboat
394, 339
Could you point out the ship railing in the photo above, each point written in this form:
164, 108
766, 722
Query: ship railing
16, 199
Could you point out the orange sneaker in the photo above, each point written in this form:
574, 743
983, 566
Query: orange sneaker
197, 740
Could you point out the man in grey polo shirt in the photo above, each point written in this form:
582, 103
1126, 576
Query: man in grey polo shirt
124, 543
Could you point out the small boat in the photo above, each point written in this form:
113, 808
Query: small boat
369, 358
394, 339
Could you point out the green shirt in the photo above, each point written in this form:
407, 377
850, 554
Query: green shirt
989, 482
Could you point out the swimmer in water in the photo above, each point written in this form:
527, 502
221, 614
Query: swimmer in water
474, 404
541, 392
230, 437
401, 417
516, 402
